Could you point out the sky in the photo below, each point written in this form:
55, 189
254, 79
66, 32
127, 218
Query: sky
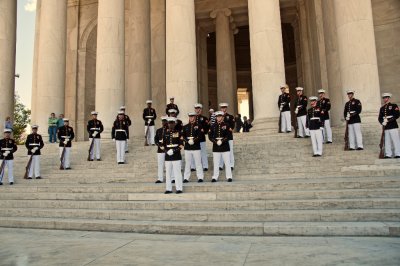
26, 13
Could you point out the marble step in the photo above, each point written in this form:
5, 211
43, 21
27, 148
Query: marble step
189, 205
250, 195
212, 228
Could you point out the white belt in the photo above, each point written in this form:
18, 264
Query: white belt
352, 112
66, 137
219, 138
388, 117
34, 144
6, 149
95, 128
172, 146
120, 130
314, 118
149, 116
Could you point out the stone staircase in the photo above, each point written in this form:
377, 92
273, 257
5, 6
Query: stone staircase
278, 189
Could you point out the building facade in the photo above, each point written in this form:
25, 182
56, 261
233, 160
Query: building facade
101, 54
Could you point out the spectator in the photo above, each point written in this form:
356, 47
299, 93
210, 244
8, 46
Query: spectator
60, 121
53, 128
212, 116
238, 123
8, 124
246, 124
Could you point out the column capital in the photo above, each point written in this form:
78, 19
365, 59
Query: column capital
221, 11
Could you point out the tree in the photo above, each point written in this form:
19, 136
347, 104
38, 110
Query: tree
22, 117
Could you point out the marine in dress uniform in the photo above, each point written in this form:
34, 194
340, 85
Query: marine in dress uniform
8, 147
219, 136
172, 105
229, 120
325, 105
94, 128
284, 108
129, 122
158, 139
192, 133
204, 123
149, 116
388, 114
315, 124
178, 122
173, 143
352, 110
301, 113
34, 143
66, 135
120, 134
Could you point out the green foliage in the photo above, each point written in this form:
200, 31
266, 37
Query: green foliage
22, 117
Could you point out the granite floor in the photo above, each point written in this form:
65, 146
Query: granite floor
51, 247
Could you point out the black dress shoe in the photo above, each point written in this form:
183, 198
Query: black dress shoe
205, 169
221, 168
213, 180
397, 157
185, 181
68, 168
232, 168
1, 183
38, 177
29, 178
153, 144
351, 149
90, 160
200, 181
126, 151
167, 192
118, 162
192, 170
98, 160
179, 192
11, 183
158, 182
288, 131
360, 149
229, 179
387, 157
329, 142
307, 137
314, 155
173, 181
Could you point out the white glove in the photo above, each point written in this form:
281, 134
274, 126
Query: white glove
170, 152
127, 139
34, 150
66, 141
348, 117
191, 142
384, 123
114, 140
280, 109
296, 110
219, 142
5, 154
385, 120
95, 134
148, 121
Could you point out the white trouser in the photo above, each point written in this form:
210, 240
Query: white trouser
173, 167
120, 150
327, 131
126, 145
196, 156
301, 124
231, 156
150, 135
316, 141
286, 123
355, 137
35, 166
204, 158
225, 156
160, 161
392, 142
96, 148
10, 166
66, 162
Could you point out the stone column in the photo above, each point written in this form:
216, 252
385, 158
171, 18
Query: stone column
357, 52
50, 96
110, 68
138, 72
157, 22
35, 57
203, 97
181, 79
224, 56
267, 63
8, 27
234, 108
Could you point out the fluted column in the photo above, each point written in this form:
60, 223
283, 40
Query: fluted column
138, 72
8, 26
224, 56
267, 63
234, 108
110, 68
50, 90
181, 67
35, 57
357, 52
